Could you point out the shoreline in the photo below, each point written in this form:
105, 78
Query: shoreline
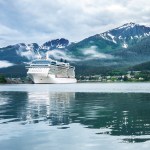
82, 82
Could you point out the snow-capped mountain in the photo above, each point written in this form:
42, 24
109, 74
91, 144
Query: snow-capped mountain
127, 34
26, 52
121, 46
55, 44
119, 38
30, 51
92, 47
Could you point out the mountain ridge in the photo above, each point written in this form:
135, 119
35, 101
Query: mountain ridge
126, 45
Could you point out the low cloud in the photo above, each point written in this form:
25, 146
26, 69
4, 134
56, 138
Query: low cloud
23, 51
88, 54
5, 64
28, 54
92, 53
57, 54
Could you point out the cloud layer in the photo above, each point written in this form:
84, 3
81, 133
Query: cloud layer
90, 53
5, 64
38, 21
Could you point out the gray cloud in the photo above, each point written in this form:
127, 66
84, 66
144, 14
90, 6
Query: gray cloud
5, 64
38, 21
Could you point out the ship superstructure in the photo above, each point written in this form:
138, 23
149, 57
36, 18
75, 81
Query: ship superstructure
51, 71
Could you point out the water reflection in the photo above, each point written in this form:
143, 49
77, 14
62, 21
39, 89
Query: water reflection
33, 107
51, 107
114, 114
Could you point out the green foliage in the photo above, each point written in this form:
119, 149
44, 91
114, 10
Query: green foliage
125, 78
2, 79
99, 43
142, 67
116, 73
14, 71
144, 74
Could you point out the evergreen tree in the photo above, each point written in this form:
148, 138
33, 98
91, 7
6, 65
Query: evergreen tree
61, 60
2, 79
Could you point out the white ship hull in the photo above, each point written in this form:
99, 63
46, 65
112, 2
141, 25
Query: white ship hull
50, 71
49, 79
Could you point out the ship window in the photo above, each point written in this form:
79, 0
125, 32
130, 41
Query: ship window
53, 63
41, 62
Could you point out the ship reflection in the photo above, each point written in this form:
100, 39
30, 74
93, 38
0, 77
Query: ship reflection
52, 108
34, 107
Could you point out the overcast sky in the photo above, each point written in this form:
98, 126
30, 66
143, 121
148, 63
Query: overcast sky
42, 20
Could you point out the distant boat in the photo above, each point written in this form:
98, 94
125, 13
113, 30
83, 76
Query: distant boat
51, 71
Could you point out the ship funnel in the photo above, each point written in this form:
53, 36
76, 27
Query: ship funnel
39, 56
47, 56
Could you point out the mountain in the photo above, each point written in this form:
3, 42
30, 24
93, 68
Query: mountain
139, 52
127, 35
22, 52
122, 47
56, 44
122, 37
142, 67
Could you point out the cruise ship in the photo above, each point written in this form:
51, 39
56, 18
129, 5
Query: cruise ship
51, 71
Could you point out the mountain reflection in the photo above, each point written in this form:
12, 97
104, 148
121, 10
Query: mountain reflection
122, 114
111, 113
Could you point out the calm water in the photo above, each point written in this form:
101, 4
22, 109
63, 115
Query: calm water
75, 117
